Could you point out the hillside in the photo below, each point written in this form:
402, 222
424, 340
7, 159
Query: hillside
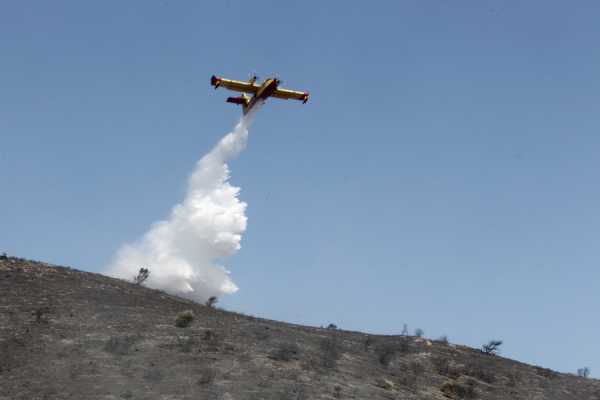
68, 334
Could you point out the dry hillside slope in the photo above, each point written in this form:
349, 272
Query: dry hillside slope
68, 334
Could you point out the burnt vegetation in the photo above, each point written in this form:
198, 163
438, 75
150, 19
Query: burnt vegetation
286, 352
142, 275
330, 351
71, 334
387, 351
211, 302
459, 390
492, 347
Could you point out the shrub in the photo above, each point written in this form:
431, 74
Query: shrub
211, 340
546, 373
207, 375
286, 352
184, 319
387, 351
492, 347
480, 372
583, 372
441, 365
332, 326
419, 332
455, 390
337, 391
211, 302
514, 378
443, 339
296, 391
142, 275
39, 314
385, 384
3, 256
185, 343
410, 377
330, 351
416, 368
120, 345
368, 342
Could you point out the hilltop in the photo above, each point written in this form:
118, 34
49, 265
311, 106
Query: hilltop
69, 334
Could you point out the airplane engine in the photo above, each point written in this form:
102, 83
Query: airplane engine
214, 81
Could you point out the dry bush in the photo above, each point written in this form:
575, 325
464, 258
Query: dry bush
481, 372
411, 374
337, 391
186, 343
387, 351
211, 341
385, 384
514, 378
40, 314
455, 390
368, 342
286, 352
330, 351
120, 345
443, 366
184, 319
546, 373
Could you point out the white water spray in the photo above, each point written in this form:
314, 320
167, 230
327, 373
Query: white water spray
181, 251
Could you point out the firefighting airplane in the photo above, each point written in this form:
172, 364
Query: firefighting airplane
269, 88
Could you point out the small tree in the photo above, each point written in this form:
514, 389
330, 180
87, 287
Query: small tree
142, 275
583, 372
419, 332
405, 330
332, 326
443, 339
211, 302
492, 347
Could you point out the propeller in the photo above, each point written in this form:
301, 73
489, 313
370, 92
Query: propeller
275, 75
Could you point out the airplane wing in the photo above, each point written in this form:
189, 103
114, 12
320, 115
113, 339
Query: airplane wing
290, 94
238, 86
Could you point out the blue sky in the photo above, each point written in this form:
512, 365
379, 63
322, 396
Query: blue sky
443, 174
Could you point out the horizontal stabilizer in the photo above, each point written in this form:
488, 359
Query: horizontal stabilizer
243, 101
